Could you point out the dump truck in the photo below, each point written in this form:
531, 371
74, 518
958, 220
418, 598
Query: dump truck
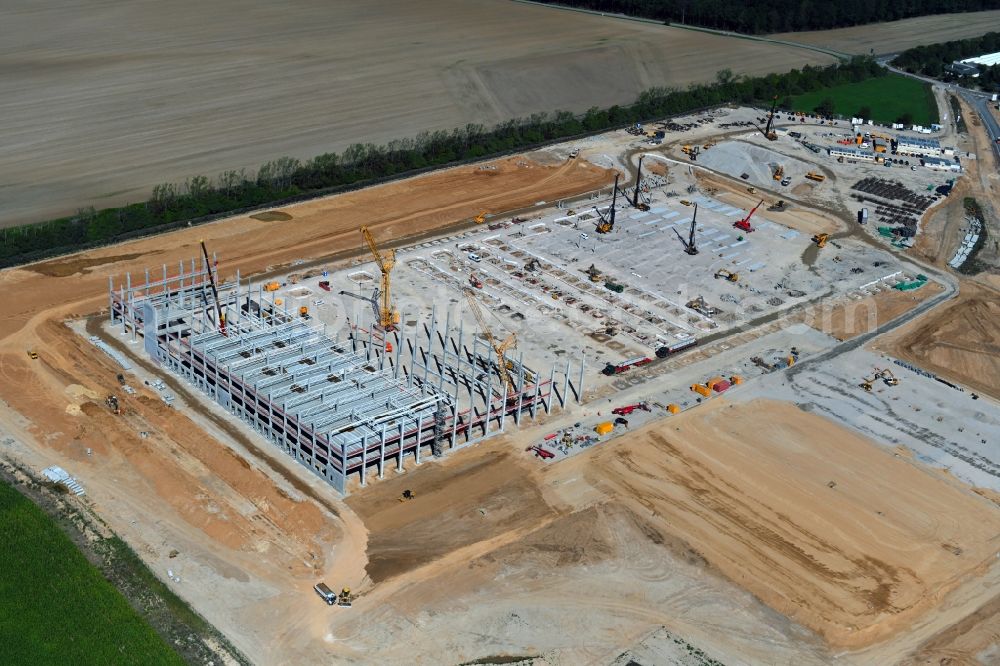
818, 177
701, 390
614, 286
324, 285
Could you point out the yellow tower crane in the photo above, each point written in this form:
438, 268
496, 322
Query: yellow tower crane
499, 349
387, 315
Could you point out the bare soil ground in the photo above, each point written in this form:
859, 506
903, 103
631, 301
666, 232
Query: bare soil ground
817, 523
253, 531
899, 35
959, 341
104, 101
850, 319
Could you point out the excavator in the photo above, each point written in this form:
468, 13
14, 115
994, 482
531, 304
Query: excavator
744, 224
500, 349
820, 240
779, 172
729, 275
475, 281
388, 316
479, 219
886, 376
866, 383
607, 222
594, 273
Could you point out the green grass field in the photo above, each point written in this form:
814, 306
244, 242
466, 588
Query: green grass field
57, 607
889, 97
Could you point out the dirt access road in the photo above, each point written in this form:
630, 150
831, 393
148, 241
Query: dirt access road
252, 531
104, 101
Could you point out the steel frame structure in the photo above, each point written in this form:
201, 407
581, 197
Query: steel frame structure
338, 408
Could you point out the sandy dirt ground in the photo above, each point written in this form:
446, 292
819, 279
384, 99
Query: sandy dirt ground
959, 341
104, 101
846, 320
639, 533
248, 548
899, 35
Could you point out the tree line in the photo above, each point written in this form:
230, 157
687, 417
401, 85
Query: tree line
931, 60
777, 15
287, 179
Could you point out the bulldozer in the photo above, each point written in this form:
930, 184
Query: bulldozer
729, 275
820, 240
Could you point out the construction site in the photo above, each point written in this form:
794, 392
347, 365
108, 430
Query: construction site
670, 389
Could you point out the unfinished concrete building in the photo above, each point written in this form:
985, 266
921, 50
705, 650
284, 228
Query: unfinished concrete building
338, 406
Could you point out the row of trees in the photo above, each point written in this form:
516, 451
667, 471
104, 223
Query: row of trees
777, 15
287, 179
932, 59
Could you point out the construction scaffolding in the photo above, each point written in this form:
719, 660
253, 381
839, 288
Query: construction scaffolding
339, 407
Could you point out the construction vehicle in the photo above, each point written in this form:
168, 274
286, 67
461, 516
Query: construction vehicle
220, 320
628, 409
779, 172
820, 240
729, 275
818, 177
744, 224
345, 598
574, 153
866, 383
614, 286
33, 355
406, 496
304, 312
475, 281
693, 154
542, 453
606, 223
388, 316
638, 181
500, 349
325, 593
618, 368
533, 265
699, 305
769, 132
112, 402
886, 376
669, 350
689, 245
272, 286
594, 274
479, 219
752, 190
324, 285
777, 207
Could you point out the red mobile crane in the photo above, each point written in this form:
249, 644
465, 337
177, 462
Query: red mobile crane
744, 224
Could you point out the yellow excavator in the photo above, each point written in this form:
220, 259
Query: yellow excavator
479, 219
729, 275
388, 316
499, 349
866, 383
820, 240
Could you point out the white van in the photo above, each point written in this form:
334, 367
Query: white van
326, 593
475, 257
